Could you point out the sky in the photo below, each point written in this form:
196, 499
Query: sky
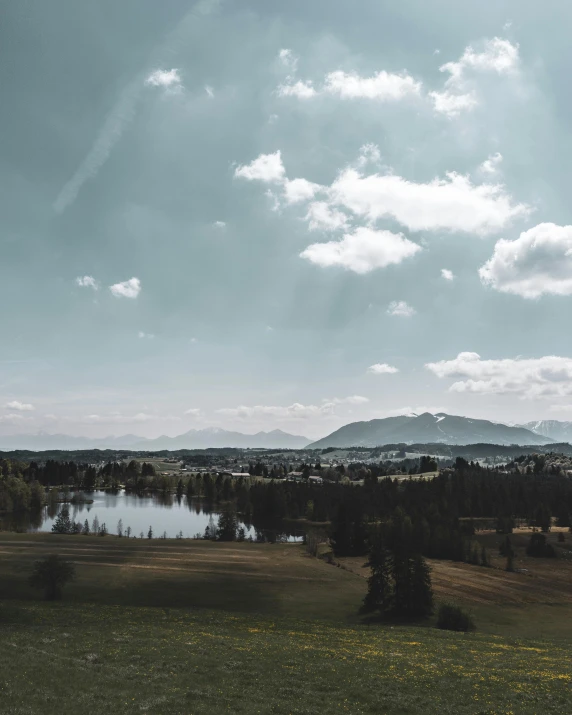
258, 215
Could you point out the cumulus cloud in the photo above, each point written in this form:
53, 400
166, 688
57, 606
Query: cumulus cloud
266, 167
447, 274
19, 406
294, 411
538, 262
400, 309
362, 251
368, 154
193, 412
491, 165
298, 190
382, 368
219, 224
351, 400
145, 336
288, 59
87, 282
126, 289
548, 376
458, 95
451, 204
299, 89
167, 79
323, 217
382, 86
14, 418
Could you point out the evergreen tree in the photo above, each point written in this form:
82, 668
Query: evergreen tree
63, 523
227, 524
150, 533
120, 528
379, 595
85, 529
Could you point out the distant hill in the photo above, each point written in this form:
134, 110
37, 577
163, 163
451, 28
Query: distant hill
193, 439
439, 428
216, 437
554, 429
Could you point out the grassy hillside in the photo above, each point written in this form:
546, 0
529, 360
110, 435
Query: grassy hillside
70, 658
259, 628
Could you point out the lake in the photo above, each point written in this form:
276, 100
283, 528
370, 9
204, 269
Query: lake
164, 513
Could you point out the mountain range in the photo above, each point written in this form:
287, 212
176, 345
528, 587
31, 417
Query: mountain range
211, 437
408, 429
428, 428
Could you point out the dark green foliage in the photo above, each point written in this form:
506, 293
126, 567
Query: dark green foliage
538, 547
543, 517
227, 524
63, 524
452, 618
51, 574
380, 589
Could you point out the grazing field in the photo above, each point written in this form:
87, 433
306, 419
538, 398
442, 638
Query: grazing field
196, 627
64, 659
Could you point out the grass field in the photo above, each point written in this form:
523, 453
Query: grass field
199, 627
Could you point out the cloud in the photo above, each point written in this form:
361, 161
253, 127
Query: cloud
288, 59
322, 217
299, 89
115, 124
362, 251
209, 90
298, 190
548, 376
266, 167
193, 412
382, 86
400, 309
20, 406
538, 262
447, 274
143, 336
368, 154
492, 164
87, 282
451, 204
498, 56
382, 368
219, 224
294, 411
351, 400
126, 289
167, 79
14, 418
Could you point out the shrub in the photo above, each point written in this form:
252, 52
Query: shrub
538, 547
453, 618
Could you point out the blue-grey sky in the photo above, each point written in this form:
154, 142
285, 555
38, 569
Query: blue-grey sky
263, 215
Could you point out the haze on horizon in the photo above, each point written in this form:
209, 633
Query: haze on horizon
261, 216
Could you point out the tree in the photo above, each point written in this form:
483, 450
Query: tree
150, 533
51, 574
120, 528
128, 532
379, 595
538, 547
227, 524
63, 524
85, 530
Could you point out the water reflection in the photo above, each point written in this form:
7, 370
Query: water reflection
165, 513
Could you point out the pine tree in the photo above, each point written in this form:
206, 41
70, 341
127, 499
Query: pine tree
120, 528
63, 523
85, 529
379, 595
150, 533
227, 524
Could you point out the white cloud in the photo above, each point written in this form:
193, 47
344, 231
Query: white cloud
20, 406
300, 89
294, 411
351, 400
322, 217
447, 274
209, 90
452, 204
143, 336
219, 224
452, 104
167, 79
266, 167
400, 309
298, 190
362, 251
126, 289
368, 154
492, 164
14, 419
193, 412
382, 368
538, 262
497, 55
87, 282
382, 85
288, 59
548, 376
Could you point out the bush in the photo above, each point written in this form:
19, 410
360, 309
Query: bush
538, 547
453, 618
51, 574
